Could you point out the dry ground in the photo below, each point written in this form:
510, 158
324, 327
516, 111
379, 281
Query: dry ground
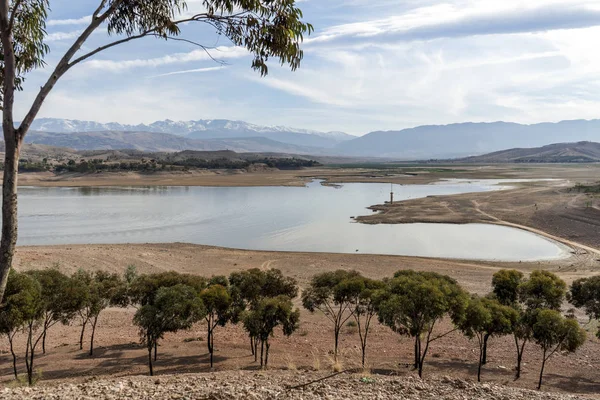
119, 353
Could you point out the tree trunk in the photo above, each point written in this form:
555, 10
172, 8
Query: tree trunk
267, 346
252, 345
14, 356
27, 347
11, 153
83, 324
520, 350
364, 350
485, 341
155, 350
92, 339
212, 348
255, 349
417, 352
262, 351
337, 339
542, 370
150, 359
481, 352
29, 356
44, 340
9, 206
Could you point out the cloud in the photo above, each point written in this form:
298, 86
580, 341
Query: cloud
447, 21
58, 36
220, 53
74, 21
190, 71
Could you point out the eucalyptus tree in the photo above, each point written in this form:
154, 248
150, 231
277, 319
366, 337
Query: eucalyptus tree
217, 302
101, 290
366, 294
174, 308
553, 332
542, 290
585, 293
486, 317
266, 28
268, 314
22, 304
143, 289
415, 303
249, 287
62, 296
333, 294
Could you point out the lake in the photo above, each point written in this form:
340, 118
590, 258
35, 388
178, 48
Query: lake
314, 218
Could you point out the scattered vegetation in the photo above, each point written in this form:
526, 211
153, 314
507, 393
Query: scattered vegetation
581, 188
410, 303
165, 163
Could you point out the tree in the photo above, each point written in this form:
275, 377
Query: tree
268, 314
62, 297
366, 294
542, 290
250, 286
553, 332
175, 308
505, 284
415, 302
486, 317
585, 293
22, 303
266, 28
217, 302
329, 293
144, 288
102, 290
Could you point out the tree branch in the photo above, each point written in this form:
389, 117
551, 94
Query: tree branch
99, 9
445, 334
61, 68
108, 46
16, 6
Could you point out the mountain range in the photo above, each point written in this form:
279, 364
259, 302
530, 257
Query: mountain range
423, 142
580, 152
200, 129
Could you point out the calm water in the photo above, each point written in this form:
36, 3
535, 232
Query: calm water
315, 218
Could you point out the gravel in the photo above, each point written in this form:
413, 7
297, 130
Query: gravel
275, 385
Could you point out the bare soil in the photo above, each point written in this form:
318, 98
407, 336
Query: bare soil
119, 353
277, 385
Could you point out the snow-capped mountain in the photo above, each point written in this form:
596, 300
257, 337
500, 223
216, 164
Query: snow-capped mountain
200, 129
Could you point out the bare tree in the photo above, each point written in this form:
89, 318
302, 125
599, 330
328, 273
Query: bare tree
266, 28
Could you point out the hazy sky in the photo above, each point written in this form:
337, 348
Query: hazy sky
370, 65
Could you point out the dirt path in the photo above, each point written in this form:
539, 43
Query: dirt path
567, 242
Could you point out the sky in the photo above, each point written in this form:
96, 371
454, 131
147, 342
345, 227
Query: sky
370, 65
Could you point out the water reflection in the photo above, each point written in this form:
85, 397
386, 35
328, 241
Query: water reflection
315, 218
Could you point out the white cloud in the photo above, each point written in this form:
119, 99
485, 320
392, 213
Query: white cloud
58, 36
220, 53
190, 71
72, 21
483, 17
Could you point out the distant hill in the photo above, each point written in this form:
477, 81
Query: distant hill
423, 142
156, 142
200, 129
580, 152
467, 139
